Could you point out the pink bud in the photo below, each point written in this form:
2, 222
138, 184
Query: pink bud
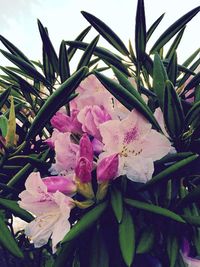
60, 183
97, 146
107, 168
83, 170
86, 149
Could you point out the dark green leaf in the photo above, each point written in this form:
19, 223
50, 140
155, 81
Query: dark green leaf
54, 102
173, 111
85, 222
125, 97
8, 241
146, 241
193, 220
154, 209
48, 68
117, 203
172, 69
191, 58
3, 126
194, 82
153, 27
159, 79
173, 29
193, 115
172, 249
106, 32
140, 31
175, 44
64, 68
85, 59
48, 47
127, 238
4, 96
192, 196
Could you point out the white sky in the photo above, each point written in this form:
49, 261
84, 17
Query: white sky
18, 21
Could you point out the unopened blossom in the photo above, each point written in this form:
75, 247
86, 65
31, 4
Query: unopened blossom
65, 154
86, 148
97, 146
52, 211
136, 143
107, 168
189, 261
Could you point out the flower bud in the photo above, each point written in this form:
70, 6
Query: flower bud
107, 168
86, 148
83, 170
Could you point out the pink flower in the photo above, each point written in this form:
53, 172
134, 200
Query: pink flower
107, 168
86, 149
66, 154
97, 146
158, 114
66, 185
52, 211
91, 117
191, 262
65, 123
137, 144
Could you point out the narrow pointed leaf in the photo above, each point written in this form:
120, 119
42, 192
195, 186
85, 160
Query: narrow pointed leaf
85, 222
153, 27
106, 32
117, 204
173, 29
8, 241
3, 125
64, 68
125, 97
140, 31
146, 241
193, 220
48, 68
159, 79
4, 96
172, 69
194, 82
172, 249
175, 43
48, 47
154, 209
12, 206
85, 59
188, 75
191, 58
127, 238
10, 137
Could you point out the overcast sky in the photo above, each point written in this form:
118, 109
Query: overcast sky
18, 21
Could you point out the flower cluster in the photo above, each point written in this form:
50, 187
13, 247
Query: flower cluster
97, 139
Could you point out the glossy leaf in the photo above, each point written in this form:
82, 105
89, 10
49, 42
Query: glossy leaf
48, 47
127, 238
117, 203
154, 209
48, 68
53, 103
85, 59
8, 241
173, 29
64, 68
106, 32
173, 111
153, 27
191, 58
140, 31
172, 69
4, 96
159, 79
85, 222
194, 82
125, 97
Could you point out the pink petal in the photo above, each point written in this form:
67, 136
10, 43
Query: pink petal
107, 168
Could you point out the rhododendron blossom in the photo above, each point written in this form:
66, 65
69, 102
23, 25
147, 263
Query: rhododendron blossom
137, 144
189, 261
52, 211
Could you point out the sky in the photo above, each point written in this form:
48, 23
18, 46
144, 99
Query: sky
64, 21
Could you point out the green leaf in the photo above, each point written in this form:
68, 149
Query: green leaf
159, 79
64, 253
175, 43
117, 203
102, 53
140, 31
8, 241
172, 249
127, 238
98, 252
154, 209
173, 29
193, 220
21, 175
48, 68
64, 68
14, 50
16, 210
125, 97
192, 197
24, 66
85, 59
54, 102
194, 82
4, 96
191, 58
170, 171
106, 32
3, 125
146, 241
71, 50
173, 111
48, 47
153, 27
172, 68
11, 132
192, 117
85, 222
